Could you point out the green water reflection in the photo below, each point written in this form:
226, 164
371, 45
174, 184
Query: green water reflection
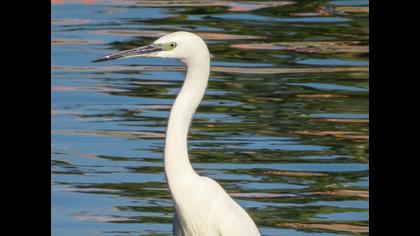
283, 126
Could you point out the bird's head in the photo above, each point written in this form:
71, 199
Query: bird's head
180, 45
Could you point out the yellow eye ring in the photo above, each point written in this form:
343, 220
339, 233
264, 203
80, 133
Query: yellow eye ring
172, 45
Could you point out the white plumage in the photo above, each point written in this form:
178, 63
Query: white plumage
203, 208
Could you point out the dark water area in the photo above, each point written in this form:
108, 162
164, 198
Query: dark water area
283, 126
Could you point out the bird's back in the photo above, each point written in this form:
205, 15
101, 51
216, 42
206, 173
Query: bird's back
209, 210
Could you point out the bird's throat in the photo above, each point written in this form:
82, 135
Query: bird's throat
178, 168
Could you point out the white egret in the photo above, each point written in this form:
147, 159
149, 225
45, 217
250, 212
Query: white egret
202, 206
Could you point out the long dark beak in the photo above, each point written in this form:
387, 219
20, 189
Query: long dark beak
140, 51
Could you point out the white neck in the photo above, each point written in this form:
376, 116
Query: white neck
177, 165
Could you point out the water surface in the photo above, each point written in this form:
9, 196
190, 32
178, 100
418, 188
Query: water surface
283, 126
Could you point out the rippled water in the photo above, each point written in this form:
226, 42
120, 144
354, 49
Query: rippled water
283, 125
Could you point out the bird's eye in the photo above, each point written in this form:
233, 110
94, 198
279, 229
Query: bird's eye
172, 45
